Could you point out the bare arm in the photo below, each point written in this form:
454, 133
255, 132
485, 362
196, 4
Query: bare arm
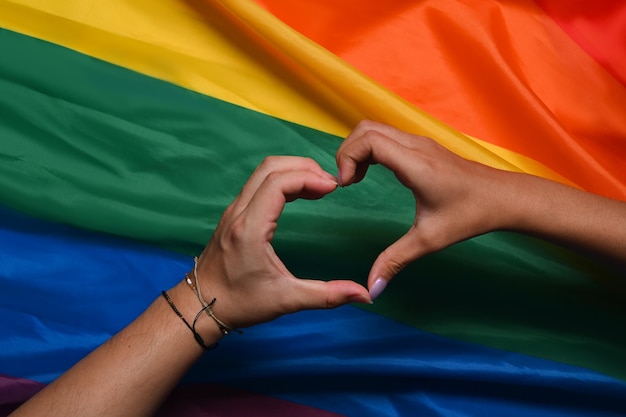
566, 215
457, 199
131, 374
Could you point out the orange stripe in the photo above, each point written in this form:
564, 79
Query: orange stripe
500, 71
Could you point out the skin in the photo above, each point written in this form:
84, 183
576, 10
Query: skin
457, 199
133, 372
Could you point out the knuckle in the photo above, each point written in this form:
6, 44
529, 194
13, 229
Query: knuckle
429, 241
228, 212
373, 139
331, 301
269, 162
366, 124
272, 177
425, 167
395, 265
309, 163
395, 262
236, 234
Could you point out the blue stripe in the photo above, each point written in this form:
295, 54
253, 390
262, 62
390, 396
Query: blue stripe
358, 363
65, 291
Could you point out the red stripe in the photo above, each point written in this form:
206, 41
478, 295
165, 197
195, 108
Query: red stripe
599, 27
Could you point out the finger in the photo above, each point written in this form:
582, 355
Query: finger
394, 259
381, 135
372, 147
277, 189
400, 136
275, 164
314, 294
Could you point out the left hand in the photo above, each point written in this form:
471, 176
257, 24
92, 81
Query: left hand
455, 198
239, 266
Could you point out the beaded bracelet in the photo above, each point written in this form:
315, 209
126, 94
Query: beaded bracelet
191, 327
224, 328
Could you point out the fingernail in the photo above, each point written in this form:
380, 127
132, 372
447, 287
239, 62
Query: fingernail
330, 177
361, 299
339, 178
377, 288
333, 182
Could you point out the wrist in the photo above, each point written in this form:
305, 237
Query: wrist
537, 206
191, 309
496, 198
197, 281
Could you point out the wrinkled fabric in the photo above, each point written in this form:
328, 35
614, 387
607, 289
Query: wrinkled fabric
347, 361
127, 130
504, 72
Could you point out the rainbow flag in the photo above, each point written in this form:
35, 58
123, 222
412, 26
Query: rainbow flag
127, 127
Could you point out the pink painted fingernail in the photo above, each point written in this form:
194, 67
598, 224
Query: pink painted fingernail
377, 288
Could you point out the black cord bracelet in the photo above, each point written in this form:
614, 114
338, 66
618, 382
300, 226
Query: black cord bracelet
191, 327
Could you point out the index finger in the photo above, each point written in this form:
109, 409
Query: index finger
275, 164
366, 147
278, 188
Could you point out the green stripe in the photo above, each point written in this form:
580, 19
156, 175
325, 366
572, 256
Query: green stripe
104, 148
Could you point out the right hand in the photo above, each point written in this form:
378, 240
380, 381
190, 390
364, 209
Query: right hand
456, 199
239, 266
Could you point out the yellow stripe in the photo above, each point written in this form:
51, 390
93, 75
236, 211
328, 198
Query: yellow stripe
170, 40
236, 51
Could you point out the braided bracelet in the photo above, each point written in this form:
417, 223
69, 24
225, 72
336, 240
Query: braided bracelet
224, 328
191, 327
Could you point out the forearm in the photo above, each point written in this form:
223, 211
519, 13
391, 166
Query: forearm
566, 215
132, 373
241, 277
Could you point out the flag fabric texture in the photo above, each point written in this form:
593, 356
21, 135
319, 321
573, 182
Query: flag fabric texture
127, 128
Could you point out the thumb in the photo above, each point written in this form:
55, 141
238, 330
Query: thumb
393, 260
315, 294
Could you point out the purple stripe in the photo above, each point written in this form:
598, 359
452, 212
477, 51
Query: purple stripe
203, 400
14, 391
194, 400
